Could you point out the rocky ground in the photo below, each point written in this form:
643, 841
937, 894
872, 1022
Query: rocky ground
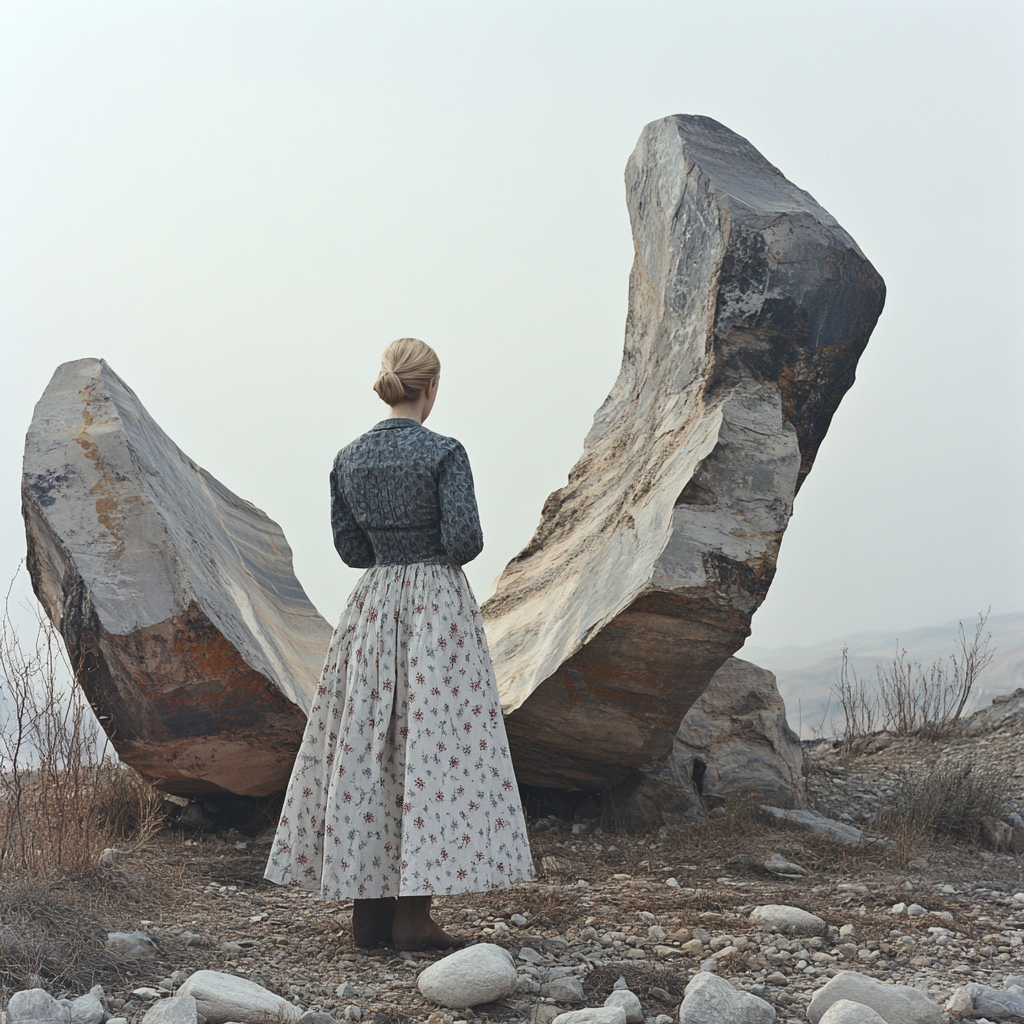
652, 909
855, 789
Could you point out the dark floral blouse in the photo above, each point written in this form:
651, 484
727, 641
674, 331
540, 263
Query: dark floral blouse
400, 494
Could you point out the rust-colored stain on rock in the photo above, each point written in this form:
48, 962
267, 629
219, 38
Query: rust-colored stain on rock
180, 686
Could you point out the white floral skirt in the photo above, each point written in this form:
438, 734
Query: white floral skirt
403, 784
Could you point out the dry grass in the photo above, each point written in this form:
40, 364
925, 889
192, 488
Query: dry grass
58, 931
63, 799
650, 982
55, 820
63, 796
947, 803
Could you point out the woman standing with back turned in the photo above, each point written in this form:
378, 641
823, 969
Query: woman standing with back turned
403, 787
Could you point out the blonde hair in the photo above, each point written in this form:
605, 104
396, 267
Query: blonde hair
406, 367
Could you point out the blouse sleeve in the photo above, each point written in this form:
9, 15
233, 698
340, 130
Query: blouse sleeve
461, 535
352, 543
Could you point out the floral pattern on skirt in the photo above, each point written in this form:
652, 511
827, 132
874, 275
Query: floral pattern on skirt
403, 784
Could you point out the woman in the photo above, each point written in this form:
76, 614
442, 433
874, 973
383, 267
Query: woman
403, 787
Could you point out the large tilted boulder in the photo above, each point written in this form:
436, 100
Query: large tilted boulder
749, 307
186, 627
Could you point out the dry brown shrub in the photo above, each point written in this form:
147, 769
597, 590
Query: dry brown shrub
649, 982
908, 698
945, 803
63, 799
63, 796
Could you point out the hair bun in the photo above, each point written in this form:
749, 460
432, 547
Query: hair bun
389, 386
406, 367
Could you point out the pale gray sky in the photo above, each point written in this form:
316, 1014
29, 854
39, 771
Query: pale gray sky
239, 204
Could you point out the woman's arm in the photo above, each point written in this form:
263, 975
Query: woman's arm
352, 543
461, 535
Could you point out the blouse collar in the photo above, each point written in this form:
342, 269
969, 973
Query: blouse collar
396, 423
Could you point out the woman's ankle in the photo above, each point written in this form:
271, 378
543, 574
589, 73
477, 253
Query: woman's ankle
415, 929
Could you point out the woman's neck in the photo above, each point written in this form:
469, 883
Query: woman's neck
409, 410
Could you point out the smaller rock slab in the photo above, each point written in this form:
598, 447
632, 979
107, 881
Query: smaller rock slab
995, 1003
593, 1015
467, 977
847, 1012
175, 1010
777, 917
738, 728
778, 865
709, 999
629, 1003
895, 1004
221, 998
837, 831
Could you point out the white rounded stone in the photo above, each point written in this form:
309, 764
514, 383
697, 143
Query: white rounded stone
630, 1005
593, 1015
476, 974
896, 1004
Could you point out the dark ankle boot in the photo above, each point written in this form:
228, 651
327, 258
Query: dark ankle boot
372, 921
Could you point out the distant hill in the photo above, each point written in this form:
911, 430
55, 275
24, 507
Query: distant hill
806, 674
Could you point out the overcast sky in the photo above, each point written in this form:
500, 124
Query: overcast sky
238, 205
